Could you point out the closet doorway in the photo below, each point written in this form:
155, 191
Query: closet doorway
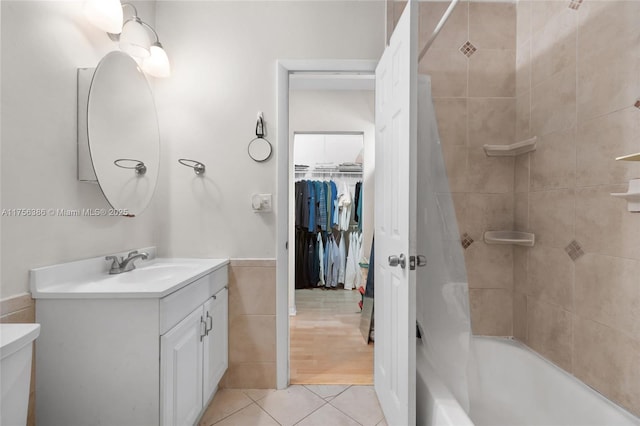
331, 223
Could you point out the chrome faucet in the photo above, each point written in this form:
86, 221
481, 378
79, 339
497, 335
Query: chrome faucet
119, 266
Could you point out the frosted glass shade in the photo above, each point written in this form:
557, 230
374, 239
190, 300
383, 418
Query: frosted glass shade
134, 39
157, 64
104, 14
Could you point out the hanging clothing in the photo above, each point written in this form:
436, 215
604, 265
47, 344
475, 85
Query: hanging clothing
349, 278
321, 198
344, 204
321, 280
343, 259
311, 188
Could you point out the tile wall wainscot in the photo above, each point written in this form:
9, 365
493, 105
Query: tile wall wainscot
576, 296
472, 69
22, 309
252, 324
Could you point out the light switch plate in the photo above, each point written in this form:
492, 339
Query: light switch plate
261, 203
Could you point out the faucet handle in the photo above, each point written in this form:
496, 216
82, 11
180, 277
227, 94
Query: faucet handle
132, 253
115, 263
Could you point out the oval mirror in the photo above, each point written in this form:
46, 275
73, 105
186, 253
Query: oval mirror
259, 149
124, 140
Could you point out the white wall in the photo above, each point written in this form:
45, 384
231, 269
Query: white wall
336, 111
224, 71
43, 43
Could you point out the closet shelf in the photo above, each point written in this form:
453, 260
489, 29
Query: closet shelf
630, 157
632, 196
327, 173
510, 237
512, 150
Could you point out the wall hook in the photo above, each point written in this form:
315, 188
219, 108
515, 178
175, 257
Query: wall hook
197, 166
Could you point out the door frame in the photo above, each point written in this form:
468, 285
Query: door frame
283, 151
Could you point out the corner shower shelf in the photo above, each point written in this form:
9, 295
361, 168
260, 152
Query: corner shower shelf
630, 157
632, 196
512, 150
510, 237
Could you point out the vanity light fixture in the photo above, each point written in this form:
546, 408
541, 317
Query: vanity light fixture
132, 35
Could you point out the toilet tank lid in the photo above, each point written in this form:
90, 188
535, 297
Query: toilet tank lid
14, 337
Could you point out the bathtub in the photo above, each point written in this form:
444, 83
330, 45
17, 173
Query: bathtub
511, 385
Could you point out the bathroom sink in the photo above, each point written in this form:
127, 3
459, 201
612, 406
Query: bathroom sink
155, 277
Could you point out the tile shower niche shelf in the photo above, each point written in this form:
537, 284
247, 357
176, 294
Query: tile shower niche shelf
630, 157
510, 237
512, 150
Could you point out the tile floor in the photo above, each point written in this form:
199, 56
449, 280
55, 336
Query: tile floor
308, 405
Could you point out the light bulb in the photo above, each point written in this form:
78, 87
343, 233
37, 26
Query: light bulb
134, 39
157, 64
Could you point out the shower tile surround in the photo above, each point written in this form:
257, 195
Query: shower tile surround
574, 297
579, 308
472, 67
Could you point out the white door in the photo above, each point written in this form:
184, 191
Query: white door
395, 223
216, 344
181, 371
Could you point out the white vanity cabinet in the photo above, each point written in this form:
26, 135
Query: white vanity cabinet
193, 358
116, 352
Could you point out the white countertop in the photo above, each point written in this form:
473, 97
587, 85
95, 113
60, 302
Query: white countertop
90, 279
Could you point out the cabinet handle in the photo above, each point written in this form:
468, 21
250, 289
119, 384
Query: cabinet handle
203, 328
209, 325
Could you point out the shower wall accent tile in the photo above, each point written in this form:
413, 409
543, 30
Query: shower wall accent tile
552, 163
491, 312
492, 25
603, 139
491, 121
608, 360
553, 104
574, 250
448, 71
454, 33
466, 241
489, 266
603, 224
550, 332
492, 73
611, 302
550, 276
468, 49
575, 4
551, 217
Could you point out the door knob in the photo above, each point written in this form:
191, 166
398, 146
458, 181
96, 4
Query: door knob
398, 260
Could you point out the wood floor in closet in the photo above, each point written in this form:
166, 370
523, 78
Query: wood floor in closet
326, 344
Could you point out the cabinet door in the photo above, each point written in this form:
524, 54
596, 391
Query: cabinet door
216, 346
181, 371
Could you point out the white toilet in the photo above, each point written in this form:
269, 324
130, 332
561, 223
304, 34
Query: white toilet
16, 343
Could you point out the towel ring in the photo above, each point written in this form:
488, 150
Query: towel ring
139, 166
197, 166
